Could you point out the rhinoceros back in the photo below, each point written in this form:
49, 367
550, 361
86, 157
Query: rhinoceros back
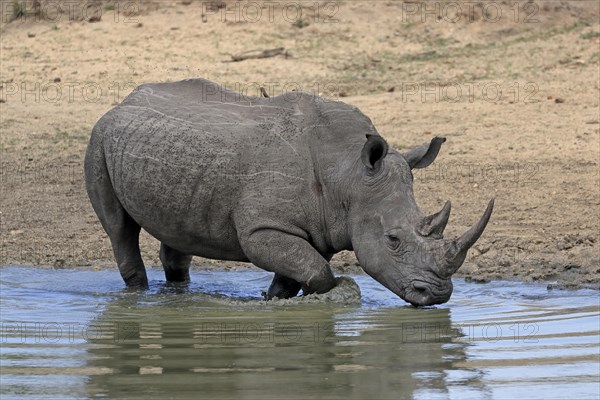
180, 154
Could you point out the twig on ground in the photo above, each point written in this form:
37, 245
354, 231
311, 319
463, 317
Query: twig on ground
254, 54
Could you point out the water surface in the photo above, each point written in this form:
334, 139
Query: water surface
77, 334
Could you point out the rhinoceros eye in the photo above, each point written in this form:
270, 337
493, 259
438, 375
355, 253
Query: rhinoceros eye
392, 241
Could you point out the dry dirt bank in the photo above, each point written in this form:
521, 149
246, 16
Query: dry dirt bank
517, 97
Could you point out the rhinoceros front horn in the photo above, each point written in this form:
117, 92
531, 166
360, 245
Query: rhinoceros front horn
455, 250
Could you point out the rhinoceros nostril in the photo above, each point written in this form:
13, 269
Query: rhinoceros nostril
420, 288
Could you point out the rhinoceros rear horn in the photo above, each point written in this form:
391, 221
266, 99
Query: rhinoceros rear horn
434, 225
455, 250
373, 152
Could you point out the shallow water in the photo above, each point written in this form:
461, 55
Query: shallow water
70, 334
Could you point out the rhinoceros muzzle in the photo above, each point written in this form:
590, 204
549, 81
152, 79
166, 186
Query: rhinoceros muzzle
421, 293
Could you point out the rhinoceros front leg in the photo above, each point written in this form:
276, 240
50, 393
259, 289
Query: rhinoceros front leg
175, 264
290, 257
283, 287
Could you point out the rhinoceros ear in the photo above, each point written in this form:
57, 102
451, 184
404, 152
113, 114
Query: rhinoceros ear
373, 152
423, 156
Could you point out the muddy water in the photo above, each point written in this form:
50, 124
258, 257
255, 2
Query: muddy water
77, 334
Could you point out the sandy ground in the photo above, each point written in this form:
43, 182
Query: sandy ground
513, 86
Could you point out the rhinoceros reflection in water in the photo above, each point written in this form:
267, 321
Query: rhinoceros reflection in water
159, 349
283, 182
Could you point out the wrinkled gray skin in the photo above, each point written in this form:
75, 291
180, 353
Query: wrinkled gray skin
283, 182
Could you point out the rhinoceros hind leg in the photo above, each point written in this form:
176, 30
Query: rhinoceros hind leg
124, 237
175, 263
283, 287
122, 230
124, 234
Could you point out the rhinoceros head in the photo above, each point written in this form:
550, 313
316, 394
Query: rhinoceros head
394, 241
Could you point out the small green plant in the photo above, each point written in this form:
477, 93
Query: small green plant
565, 60
300, 23
109, 7
18, 9
591, 35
